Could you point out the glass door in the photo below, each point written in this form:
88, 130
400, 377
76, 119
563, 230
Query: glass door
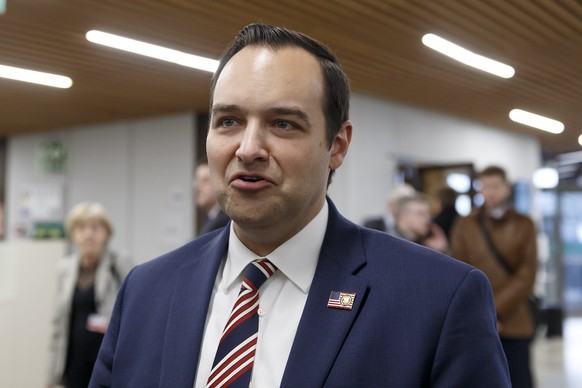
570, 232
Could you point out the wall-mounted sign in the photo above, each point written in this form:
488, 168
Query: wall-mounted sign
53, 157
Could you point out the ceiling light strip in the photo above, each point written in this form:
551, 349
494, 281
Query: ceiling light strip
152, 50
536, 121
36, 77
467, 57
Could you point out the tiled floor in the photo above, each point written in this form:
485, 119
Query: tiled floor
558, 361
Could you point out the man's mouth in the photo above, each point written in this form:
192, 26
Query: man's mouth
250, 178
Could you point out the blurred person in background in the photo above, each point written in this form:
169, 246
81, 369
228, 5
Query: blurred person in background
87, 284
386, 222
446, 212
502, 243
206, 200
413, 223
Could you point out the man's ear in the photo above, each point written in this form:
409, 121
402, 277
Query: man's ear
340, 145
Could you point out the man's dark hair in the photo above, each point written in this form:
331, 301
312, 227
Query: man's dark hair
493, 171
336, 99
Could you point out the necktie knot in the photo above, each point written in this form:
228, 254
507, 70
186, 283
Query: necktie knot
256, 273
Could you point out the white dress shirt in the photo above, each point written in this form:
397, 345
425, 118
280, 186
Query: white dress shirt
281, 301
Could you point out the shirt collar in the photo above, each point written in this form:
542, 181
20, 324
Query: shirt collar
296, 258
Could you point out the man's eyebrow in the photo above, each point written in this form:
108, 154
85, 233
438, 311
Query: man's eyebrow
289, 111
286, 111
220, 108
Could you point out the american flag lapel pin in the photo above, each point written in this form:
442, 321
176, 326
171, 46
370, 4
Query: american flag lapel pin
341, 300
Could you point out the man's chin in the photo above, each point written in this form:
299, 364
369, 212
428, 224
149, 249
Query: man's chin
247, 221
93, 252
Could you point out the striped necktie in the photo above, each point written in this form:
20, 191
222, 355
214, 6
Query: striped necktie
235, 355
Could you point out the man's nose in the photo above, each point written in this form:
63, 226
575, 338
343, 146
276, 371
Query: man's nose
253, 144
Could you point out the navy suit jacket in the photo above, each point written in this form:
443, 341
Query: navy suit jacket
420, 319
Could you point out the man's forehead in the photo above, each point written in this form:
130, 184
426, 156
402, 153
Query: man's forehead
283, 78
492, 179
269, 61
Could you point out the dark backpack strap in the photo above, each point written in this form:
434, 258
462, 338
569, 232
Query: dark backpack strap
492, 247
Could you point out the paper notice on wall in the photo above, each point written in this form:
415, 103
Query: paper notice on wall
38, 203
41, 202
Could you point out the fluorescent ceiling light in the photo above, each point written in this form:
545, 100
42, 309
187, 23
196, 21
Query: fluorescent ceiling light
152, 50
467, 57
536, 121
580, 139
35, 77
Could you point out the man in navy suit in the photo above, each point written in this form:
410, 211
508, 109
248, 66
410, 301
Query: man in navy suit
348, 306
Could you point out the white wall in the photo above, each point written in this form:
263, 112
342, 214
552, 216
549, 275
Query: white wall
26, 308
140, 170
385, 132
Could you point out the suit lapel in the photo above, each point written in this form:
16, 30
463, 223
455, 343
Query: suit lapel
193, 285
322, 330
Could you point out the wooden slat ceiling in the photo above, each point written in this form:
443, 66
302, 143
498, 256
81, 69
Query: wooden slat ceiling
377, 41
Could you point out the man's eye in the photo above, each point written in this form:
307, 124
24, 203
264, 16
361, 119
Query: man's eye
228, 122
283, 124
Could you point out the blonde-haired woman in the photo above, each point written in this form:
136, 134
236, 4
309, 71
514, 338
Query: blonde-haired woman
87, 284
